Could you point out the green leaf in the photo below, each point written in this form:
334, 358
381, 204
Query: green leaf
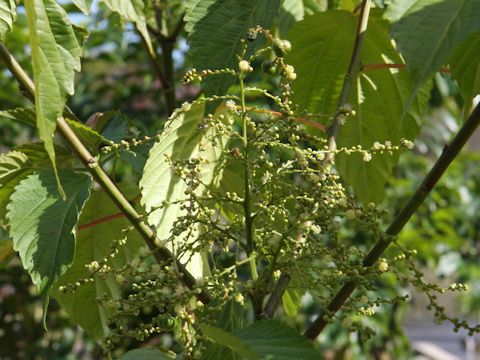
8, 16
292, 300
321, 47
83, 5
216, 28
226, 339
42, 225
293, 11
19, 163
146, 354
55, 57
264, 339
277, 340
428, 31
89, 137
321, 62
132, 10
13, 167
465, 64
181, 140
24, 115
93, 244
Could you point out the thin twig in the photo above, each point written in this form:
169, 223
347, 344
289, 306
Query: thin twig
448, 155
161, 254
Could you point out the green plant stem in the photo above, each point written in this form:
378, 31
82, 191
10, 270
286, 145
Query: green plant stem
246, 200
448, 155
350, 78
91, 163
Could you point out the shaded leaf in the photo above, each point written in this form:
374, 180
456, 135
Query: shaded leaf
216, 28
89, 137
42, 224
226, 339
465, 64
264, 339
428, 31
93, 244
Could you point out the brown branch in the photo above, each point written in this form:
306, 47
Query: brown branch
448, 155
276, 296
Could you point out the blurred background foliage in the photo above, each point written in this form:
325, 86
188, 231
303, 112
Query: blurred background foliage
117, 74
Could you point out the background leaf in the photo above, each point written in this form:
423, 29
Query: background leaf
465, 64
42, 224
93, 244
428, 31
216, 28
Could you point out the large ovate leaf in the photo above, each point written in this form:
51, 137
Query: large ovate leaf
216, 28
265, 339
7, 16
181, 140
320, 55
379, 97
134, 11
42, 224
56, 55
428, 31
465, 64
93, 244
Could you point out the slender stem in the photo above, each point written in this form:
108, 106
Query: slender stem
246, 201
91, 163
448, 155
350, 78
